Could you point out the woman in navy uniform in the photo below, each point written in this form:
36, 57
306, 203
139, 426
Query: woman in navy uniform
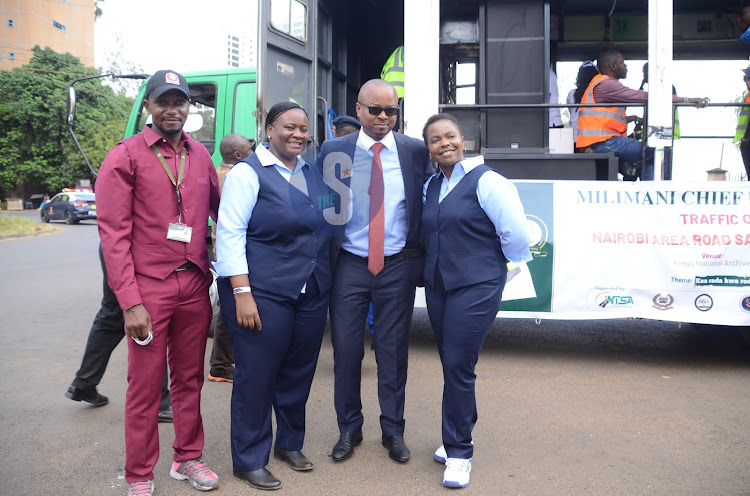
473, 224
273, 255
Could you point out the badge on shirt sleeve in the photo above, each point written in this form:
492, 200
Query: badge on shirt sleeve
180, 232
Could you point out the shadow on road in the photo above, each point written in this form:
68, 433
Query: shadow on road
632, 340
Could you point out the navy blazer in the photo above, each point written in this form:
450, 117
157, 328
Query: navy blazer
416, 168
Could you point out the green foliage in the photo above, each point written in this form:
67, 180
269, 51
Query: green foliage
15, 226
37, 146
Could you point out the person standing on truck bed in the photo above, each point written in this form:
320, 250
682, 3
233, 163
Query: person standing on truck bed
742, 136
393, 71
603, 129
586, 73
675, 130
379, 259
155, 191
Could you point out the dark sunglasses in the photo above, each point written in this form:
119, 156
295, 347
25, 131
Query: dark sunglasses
375, 110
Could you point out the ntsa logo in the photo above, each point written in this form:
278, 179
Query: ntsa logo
605, 300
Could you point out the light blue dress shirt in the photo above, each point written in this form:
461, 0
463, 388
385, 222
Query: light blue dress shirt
238, 198
499, 199
357, 233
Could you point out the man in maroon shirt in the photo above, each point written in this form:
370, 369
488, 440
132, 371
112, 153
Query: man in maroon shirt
155, 192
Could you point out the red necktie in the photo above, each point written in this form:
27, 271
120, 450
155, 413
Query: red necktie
375, 254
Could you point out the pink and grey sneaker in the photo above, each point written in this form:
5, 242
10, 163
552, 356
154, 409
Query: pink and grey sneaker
196, 473
144, 488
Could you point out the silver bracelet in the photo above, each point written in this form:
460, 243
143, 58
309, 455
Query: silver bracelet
242, 289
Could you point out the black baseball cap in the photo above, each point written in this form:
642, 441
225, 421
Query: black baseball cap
345, 120
166, 80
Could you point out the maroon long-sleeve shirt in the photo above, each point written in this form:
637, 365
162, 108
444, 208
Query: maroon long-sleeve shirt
136, 202
611, 90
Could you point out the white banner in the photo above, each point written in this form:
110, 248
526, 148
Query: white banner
676, 251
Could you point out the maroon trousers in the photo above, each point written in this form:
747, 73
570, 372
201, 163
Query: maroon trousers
180, 313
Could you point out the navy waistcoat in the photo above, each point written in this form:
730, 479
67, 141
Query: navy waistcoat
459, 239
288, 239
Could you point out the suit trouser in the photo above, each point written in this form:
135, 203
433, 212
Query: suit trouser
106, 333
392, 296
180, 313
461, 319
274, 369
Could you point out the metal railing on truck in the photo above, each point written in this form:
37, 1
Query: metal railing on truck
483, 108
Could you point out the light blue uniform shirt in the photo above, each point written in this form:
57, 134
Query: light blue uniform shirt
499, 199
238, 198
357, 233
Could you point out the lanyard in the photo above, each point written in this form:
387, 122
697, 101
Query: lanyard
180, 176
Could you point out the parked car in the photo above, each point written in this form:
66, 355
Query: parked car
70, 206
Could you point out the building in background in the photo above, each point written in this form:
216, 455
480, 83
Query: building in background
239, 50
62, 25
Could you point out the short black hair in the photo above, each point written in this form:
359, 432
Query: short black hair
439, 117
279, 109
606, 58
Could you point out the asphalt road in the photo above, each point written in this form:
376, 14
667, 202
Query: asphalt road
627, 407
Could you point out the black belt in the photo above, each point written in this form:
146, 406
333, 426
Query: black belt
405, 253
185, 266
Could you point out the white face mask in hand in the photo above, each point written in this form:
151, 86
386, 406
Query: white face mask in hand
145, 341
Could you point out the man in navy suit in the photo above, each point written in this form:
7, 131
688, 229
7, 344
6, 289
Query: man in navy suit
378, 176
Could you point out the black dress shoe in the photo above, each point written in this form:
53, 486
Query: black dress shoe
165, 415
345, 446
87, 395
295, 459
396, 448
259, 479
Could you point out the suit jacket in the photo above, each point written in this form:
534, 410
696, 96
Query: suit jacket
416, 168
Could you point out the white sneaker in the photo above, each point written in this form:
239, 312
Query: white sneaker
457, 472
440, 454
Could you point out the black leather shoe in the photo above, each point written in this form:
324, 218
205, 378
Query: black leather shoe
345, 446
165, 415
259, 479
396, 448
295, 459
87, 395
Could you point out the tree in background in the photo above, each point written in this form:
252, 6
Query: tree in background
39, 154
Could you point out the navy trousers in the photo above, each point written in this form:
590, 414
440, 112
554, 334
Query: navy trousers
461, 319
392, 296
273, 369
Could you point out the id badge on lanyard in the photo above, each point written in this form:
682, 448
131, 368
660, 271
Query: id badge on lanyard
176, 231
